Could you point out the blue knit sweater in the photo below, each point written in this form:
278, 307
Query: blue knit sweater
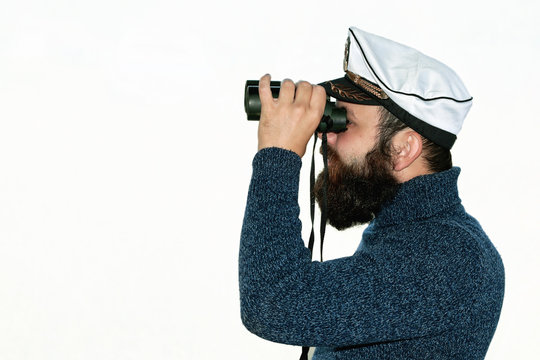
424, 283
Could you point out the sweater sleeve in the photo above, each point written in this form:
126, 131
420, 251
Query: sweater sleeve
287, 298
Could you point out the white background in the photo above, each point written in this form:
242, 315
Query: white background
125, 158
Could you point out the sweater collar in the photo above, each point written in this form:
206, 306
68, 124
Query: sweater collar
421, 197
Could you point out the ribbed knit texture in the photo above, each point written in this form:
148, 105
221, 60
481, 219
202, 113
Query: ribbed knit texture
424, 283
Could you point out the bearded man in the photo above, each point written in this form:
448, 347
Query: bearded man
425, 281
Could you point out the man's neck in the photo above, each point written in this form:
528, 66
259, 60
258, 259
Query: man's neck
417, 168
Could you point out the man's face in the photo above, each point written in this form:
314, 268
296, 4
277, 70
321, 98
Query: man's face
361, 135
360, 175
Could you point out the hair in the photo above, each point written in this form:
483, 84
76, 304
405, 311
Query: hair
436, 157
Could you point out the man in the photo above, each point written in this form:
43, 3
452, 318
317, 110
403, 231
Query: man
425, 281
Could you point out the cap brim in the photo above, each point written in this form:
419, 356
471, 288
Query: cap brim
344, 89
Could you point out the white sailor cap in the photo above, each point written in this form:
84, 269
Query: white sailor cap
424, 93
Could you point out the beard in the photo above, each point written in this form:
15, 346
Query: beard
356, 192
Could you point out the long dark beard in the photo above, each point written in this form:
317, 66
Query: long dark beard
356, 193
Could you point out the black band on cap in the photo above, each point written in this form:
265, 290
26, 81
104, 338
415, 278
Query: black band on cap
438, 136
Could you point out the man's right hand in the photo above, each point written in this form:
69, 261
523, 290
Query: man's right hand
289, 121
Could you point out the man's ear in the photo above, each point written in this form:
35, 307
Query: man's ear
407, 147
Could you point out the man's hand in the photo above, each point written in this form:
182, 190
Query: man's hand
289, 121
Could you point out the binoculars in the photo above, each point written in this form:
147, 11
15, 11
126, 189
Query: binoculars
333, 120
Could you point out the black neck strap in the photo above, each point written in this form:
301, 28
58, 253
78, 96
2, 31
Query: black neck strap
324, 205
324, 147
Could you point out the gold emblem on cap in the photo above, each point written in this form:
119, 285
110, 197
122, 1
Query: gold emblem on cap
346, 58
366, 85
349, 92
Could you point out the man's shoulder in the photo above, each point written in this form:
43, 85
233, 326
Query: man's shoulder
454, 230
453, 233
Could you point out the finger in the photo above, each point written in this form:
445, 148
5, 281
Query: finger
286, 93
303, 93
318, 99
265, 93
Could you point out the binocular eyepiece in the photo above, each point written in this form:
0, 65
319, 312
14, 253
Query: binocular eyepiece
333, 120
